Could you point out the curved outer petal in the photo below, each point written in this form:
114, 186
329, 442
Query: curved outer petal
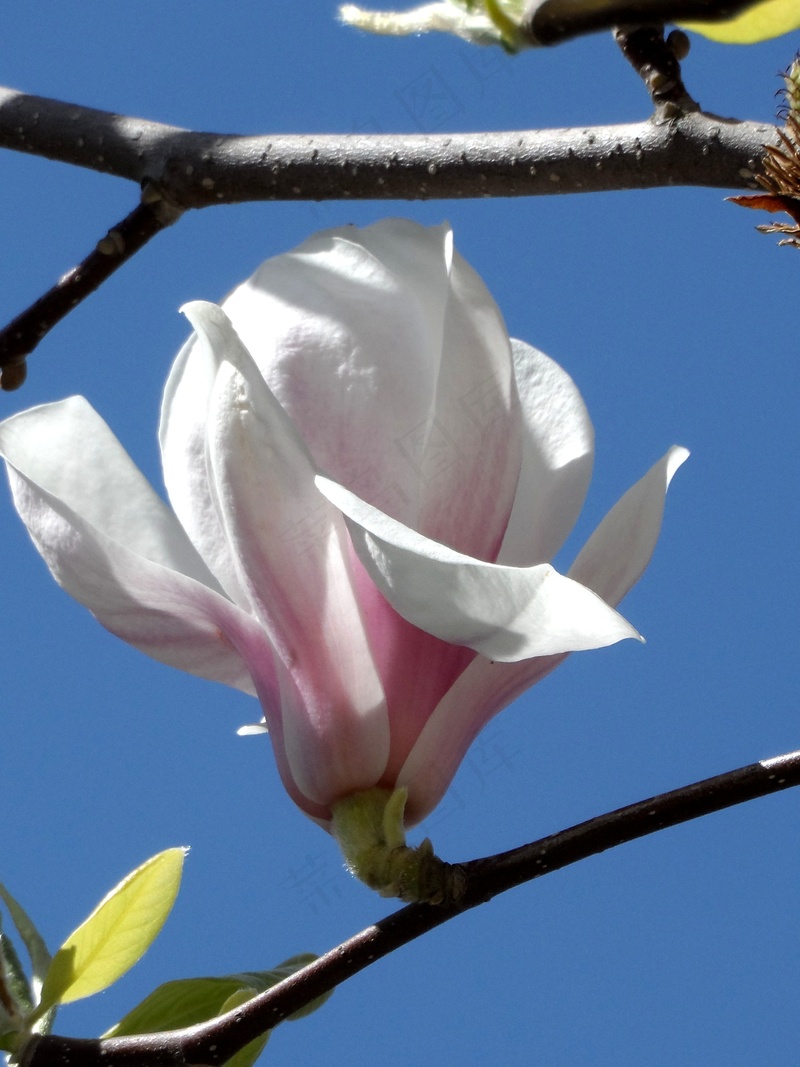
505, 613
615, 556
291, 552
420, 358
484, 689
557, 457
612, 562
113, 544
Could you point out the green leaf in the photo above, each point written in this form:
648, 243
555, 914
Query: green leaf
176, 1004
117, 933
290, 966
187, 1001
248, 1055
771, 18
261, 980
31, 939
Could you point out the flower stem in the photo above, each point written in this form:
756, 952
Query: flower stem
369, 828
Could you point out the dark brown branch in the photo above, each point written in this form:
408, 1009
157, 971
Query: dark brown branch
553, 21
23, 334
657, 62
214, 1042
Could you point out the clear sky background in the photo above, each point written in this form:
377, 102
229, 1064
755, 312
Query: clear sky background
677, 320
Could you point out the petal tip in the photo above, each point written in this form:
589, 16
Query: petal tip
200, 313
251, 729
676, 457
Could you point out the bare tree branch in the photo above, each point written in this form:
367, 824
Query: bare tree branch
214, 1042
180, 169
197, 170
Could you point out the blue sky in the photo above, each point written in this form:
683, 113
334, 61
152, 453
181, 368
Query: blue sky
676, 320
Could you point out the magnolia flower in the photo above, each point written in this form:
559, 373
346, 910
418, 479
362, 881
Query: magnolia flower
368, 480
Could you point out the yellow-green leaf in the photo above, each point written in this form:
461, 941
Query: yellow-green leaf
182, 1002
186, 1001
117, 933
771, 18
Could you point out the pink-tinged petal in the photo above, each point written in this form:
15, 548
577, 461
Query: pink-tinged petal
292, 550
505, 613
416, 669
614, 558
421, 362
320, 812
557, 456
484, 689
113, 544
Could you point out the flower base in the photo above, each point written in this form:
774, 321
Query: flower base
369, 828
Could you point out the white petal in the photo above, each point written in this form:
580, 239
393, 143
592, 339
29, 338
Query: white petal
420, 359
113, 544
619, 551
505, 613
182, 435
70, 453
557, 455
253, 728
293, 555
333, 314
615, 556
475, 436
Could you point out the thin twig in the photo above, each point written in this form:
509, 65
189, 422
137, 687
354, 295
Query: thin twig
21, 336
657, 62
214, 1042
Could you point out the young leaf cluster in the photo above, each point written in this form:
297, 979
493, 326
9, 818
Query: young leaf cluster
106, 945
